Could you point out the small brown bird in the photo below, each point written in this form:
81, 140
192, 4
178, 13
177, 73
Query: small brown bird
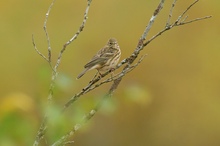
105, 59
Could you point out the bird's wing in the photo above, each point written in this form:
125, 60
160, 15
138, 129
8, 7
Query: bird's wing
101, 57
95, 61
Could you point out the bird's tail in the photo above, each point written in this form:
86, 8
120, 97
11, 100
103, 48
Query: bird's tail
82, 73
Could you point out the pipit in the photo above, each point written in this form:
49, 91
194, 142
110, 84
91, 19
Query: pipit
105, 59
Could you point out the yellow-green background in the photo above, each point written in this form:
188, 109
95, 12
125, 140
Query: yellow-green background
171, 99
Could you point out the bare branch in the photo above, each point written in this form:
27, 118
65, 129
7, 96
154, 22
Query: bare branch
45, 30
43, 126
171, 13
75, 35
35, 47
191, 21
153, 17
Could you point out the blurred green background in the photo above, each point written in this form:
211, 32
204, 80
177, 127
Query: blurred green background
171, 99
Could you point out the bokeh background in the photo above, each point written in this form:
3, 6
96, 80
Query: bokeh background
171, 99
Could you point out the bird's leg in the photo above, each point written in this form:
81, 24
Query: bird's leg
100, 74
112, 72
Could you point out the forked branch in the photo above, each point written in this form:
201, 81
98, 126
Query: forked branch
43, 126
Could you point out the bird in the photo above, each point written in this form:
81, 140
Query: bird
105, 59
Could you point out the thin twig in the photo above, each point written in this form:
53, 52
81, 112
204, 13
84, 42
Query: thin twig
75, 35
155, 36
45, 30
197, 19
184, 19
35, 47
171, 13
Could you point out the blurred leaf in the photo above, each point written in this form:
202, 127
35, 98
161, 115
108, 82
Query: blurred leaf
63, 82
138, 94
16, 113
15, 127
109, 106
16, 101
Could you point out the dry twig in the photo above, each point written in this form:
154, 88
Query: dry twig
45, 30
35, 47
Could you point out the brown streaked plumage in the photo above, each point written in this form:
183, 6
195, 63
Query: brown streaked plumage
105, 59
